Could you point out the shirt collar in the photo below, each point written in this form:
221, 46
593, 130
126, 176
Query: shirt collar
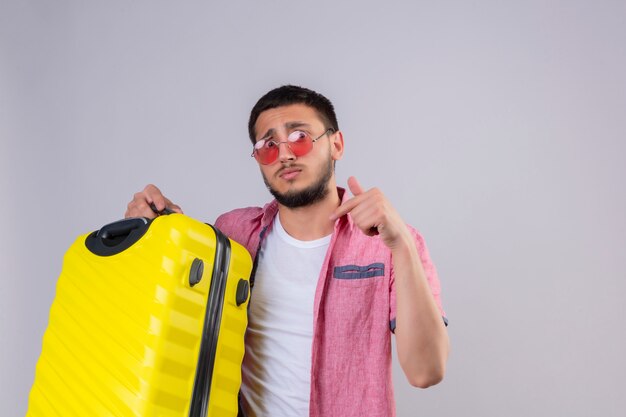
343, 196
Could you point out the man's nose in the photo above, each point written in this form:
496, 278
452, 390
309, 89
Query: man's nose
285, 153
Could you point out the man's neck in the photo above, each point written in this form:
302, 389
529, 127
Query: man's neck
310, 222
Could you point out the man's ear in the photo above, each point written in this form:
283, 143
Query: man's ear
336, 145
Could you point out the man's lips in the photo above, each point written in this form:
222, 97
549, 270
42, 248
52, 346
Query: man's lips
289, 173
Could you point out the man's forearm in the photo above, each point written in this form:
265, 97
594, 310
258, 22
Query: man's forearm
421, 336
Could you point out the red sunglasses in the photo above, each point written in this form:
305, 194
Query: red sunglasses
265, 151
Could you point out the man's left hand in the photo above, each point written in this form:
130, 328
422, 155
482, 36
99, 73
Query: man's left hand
373, 214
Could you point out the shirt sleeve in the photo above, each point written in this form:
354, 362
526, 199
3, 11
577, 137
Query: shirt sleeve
431, 276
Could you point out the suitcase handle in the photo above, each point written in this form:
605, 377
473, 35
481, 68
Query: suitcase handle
166, 210
120, 228
116, 237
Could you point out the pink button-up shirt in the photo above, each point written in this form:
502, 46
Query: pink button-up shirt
355, 309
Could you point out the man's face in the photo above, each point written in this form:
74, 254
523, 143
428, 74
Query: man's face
298, 181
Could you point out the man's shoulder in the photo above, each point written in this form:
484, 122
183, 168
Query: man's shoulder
238, 217
241, 224
241, 213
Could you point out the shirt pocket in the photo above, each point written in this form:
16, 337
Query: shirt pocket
358, 275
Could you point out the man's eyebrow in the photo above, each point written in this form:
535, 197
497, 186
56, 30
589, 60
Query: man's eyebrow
288, 126
293, 125
267, 134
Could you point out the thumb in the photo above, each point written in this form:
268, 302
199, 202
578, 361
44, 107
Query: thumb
355, 187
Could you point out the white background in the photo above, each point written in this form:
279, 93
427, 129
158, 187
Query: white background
496, 128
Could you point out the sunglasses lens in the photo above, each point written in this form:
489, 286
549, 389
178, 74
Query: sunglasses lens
265, 151
300, 142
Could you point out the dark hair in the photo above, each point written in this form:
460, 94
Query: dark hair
292, 94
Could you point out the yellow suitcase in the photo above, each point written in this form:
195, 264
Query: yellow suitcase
148, 320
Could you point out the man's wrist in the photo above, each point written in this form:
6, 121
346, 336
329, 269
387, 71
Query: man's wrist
403, 245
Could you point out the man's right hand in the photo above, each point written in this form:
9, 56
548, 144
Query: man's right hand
140, 205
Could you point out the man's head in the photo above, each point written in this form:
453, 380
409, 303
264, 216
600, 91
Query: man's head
291, 94
296, 132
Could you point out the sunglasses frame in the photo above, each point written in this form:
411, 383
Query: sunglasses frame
330, 130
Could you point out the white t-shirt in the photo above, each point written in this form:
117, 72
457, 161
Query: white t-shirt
277, 365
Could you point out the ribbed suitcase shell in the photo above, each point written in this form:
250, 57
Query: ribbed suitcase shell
125, 331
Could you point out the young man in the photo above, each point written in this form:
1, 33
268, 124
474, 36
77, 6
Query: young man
334, 275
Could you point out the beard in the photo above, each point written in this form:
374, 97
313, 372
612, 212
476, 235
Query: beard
310, 195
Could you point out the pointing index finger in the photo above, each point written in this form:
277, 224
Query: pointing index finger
351, 203
354, 186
